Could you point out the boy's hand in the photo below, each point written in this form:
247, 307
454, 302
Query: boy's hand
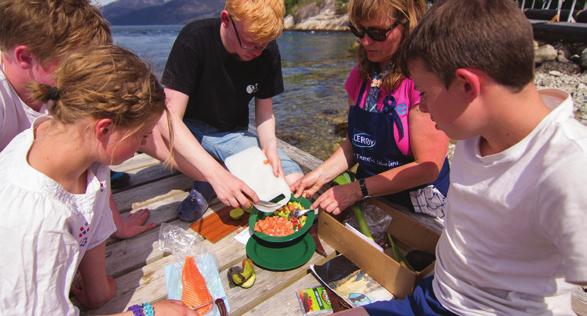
275, 161
231, 191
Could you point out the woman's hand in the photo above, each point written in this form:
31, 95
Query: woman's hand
339, 198
309, 184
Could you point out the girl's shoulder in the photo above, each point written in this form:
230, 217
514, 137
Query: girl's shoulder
32, 208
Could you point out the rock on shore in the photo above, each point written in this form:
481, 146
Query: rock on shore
317, 16
575, 84
560, 66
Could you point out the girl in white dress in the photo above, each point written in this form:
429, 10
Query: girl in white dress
55, 182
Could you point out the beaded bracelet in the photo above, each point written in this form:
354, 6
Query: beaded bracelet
137, 310
145, 309
148, 309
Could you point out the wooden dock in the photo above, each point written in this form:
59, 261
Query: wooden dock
138, 265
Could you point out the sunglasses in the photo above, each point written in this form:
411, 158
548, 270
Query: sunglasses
375, 34
245, 47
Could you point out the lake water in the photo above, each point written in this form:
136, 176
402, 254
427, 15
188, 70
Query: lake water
315, 66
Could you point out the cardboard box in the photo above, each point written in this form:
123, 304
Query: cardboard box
408, 234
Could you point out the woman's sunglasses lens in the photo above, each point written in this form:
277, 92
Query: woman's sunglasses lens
377, 35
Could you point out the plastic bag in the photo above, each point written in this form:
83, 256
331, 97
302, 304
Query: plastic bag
377, 219
181, 243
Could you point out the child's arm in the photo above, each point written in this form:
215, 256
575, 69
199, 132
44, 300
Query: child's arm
167, 307
95, 287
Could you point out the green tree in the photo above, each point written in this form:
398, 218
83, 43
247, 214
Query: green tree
289, 5
341, 6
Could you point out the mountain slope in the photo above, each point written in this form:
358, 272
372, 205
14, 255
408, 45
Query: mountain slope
120, 8
302, 14
149, 12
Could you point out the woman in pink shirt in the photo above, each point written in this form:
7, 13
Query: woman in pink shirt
401, 154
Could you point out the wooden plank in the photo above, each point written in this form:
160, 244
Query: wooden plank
307, 161
284, 302
137, 162
125, 199
147, 175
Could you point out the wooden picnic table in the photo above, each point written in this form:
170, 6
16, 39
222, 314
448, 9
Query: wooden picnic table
138, 265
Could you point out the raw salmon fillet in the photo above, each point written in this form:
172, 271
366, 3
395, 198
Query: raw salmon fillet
195, 293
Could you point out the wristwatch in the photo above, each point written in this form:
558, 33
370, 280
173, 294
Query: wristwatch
364, 190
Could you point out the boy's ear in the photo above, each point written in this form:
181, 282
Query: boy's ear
469, 81
23, 57
104, 128
224, 17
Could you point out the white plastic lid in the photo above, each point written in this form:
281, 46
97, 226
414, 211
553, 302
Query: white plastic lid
252, 167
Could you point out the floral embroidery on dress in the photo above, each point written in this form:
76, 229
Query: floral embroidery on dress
84, 230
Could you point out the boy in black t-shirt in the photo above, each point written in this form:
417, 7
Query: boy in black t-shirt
215, 68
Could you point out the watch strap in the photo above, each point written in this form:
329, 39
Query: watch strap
364, 190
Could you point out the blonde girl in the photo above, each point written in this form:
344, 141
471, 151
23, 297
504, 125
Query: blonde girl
55, 181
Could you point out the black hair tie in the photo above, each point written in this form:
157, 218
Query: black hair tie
53, 94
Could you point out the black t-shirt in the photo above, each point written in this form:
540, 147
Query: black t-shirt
219, 85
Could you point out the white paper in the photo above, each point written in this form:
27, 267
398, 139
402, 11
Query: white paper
358, 233
243, 236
